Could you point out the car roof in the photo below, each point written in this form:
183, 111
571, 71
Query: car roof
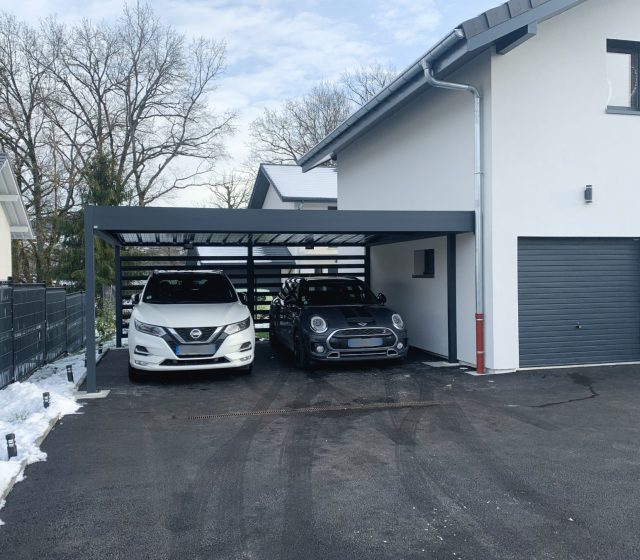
162, 272
324, 278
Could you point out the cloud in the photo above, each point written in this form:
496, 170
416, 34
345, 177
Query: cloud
409, 21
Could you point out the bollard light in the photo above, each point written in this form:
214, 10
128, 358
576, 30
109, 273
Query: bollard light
46, 399
100, 348
70, 373
12, 448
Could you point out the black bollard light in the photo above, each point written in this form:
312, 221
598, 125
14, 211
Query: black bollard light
12, 448
100, 348
70, 373
46, 399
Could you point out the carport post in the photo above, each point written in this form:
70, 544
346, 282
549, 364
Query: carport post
90, 295
250, 280
118, 271
452, 309
367, 265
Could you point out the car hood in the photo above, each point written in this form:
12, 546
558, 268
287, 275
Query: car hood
352, 316
191, 315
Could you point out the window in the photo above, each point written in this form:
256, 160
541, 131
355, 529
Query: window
623, 59
424, 263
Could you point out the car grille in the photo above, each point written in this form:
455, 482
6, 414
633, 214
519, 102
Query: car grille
190, 362
185, 333
339, 340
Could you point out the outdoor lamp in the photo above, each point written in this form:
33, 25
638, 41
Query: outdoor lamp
70, 373
12, 448
46, 399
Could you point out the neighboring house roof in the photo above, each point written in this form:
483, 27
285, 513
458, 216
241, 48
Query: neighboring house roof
292, 185
276, 254
504, 27
11, 202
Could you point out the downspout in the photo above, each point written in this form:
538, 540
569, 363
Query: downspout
479, 199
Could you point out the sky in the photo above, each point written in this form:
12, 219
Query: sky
278, 49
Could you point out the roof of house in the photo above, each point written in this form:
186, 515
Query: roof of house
275, 254
503, 27
11, 202
292, 185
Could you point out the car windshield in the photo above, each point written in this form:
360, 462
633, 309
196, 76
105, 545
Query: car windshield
189, 288
336, 292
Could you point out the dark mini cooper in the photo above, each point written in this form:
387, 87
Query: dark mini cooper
335, 319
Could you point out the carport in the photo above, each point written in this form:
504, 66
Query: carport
125, 227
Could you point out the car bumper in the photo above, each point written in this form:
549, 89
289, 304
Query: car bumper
161, 357
393, 352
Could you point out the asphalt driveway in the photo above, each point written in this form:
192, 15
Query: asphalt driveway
389, 462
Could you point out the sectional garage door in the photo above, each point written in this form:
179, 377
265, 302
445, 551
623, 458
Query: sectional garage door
579, 301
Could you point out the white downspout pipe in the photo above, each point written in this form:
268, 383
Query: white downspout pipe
479, 201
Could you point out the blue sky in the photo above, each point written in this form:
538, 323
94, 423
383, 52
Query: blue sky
279, 48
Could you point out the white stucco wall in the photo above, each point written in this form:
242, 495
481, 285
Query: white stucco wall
551, 137
5, 247
422, 158
422, 302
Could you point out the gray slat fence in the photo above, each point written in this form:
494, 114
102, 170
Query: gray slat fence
37, 325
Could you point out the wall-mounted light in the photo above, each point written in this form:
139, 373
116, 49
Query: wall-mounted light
588, 194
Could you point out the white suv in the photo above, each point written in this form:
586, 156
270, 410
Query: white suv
189, 320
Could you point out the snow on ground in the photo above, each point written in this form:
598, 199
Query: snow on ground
22, 413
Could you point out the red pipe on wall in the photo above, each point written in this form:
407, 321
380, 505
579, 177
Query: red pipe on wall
480, 343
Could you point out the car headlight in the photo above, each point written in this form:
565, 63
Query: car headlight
234, 328
397, 321
149, 329
318, 324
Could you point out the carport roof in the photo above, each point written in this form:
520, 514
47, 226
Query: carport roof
157, 226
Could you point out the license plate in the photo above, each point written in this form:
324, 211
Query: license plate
364, 342
195, 349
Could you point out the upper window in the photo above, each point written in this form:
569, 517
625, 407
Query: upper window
623, 59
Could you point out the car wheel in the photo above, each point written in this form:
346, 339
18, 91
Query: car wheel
301, 355
246, 370
134, 374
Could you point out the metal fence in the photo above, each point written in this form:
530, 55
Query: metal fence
37, 325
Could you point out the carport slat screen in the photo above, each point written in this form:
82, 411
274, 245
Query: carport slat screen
579, 301
270, 267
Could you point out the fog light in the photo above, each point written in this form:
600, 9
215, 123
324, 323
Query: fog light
139, 363
400, 345
320, 349
142, 350
245, 358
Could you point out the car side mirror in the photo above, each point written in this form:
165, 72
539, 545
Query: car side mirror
135, 299
382, 299
243, 298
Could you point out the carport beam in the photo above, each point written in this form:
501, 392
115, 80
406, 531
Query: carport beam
118, 273
452, 308
90, 295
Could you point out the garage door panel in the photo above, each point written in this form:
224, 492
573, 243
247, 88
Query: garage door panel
590, 283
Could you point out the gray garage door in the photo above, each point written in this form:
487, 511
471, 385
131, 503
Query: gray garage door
579, 301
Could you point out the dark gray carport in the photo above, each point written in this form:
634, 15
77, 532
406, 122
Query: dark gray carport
139, 227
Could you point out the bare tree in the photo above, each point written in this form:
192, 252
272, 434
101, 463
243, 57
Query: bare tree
136, 92
141, 92
283, 135
363, 84
232, 190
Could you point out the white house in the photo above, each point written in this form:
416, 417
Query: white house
555, 187
13, 217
